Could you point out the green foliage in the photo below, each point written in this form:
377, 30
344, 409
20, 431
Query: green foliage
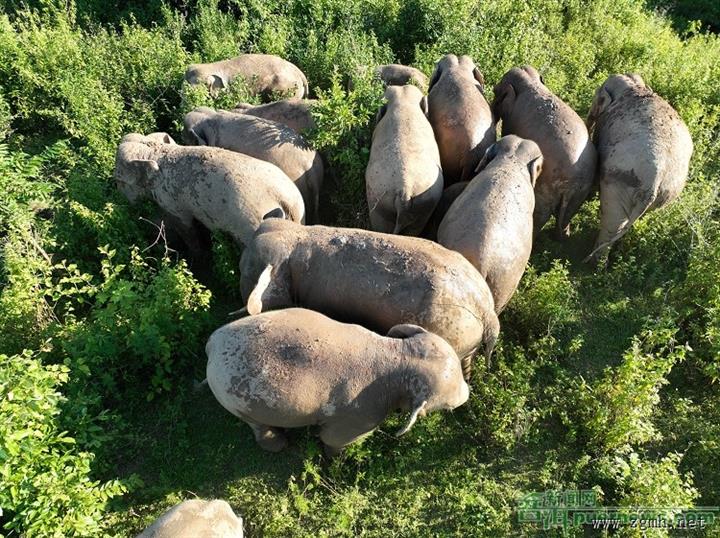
343, 133
617, 411
46, 490
142, 329
545, 302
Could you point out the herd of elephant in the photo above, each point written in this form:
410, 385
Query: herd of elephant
346, 325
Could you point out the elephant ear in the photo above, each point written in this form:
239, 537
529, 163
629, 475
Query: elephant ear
602, 100
424, 105
146, 169
195, 138
504, 100
477, 75
419, 408
437, 73
277, 213
405, 330
215, 82
380, 113
535, 169
490, 154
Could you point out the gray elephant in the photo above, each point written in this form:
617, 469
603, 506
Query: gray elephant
295, 113
644, 151
460, 116
264, 74
196, 518
220, 189
295, 367
263, 139
403, 178
491, 222
378, 280
399, 75
530, 110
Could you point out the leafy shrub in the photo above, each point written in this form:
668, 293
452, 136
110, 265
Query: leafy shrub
544, 302
343, 134
47, 490
143, 329
617, 410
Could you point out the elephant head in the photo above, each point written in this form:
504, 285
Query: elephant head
399, 94
197, 75
514, 82
521, 150
611, 90
466, 64
136, 166
196, 131
434, 381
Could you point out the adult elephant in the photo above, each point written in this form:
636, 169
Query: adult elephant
644, 151
530, 110
264, 74
460, 116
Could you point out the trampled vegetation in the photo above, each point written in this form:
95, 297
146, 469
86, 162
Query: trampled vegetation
603, 380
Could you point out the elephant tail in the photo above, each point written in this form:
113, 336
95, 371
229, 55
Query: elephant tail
306, 87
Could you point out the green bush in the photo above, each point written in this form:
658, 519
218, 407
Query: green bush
617, 411
343, 133
142, 331
45, 489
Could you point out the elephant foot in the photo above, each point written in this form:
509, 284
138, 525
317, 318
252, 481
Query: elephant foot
269, 438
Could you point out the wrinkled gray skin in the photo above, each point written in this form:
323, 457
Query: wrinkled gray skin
196, 518
265, 140
449, 195
377, 280
293, 112
644, 151
530, 110
264, 74
220, 189
399, 75
460, 116
295, 367
491, 222
403, 178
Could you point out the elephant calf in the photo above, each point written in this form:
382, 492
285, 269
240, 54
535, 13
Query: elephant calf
263, 139
265, 74
295, 367
293, 112
530, 110
403, 178
378, 280
221, 189
400, 75
644, 151
196, 518
491, 222
460, 116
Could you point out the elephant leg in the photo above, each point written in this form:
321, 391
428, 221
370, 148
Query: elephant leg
336, 436
541, 214
379, 223
185, 226
268, 437
618, 211
570, 205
